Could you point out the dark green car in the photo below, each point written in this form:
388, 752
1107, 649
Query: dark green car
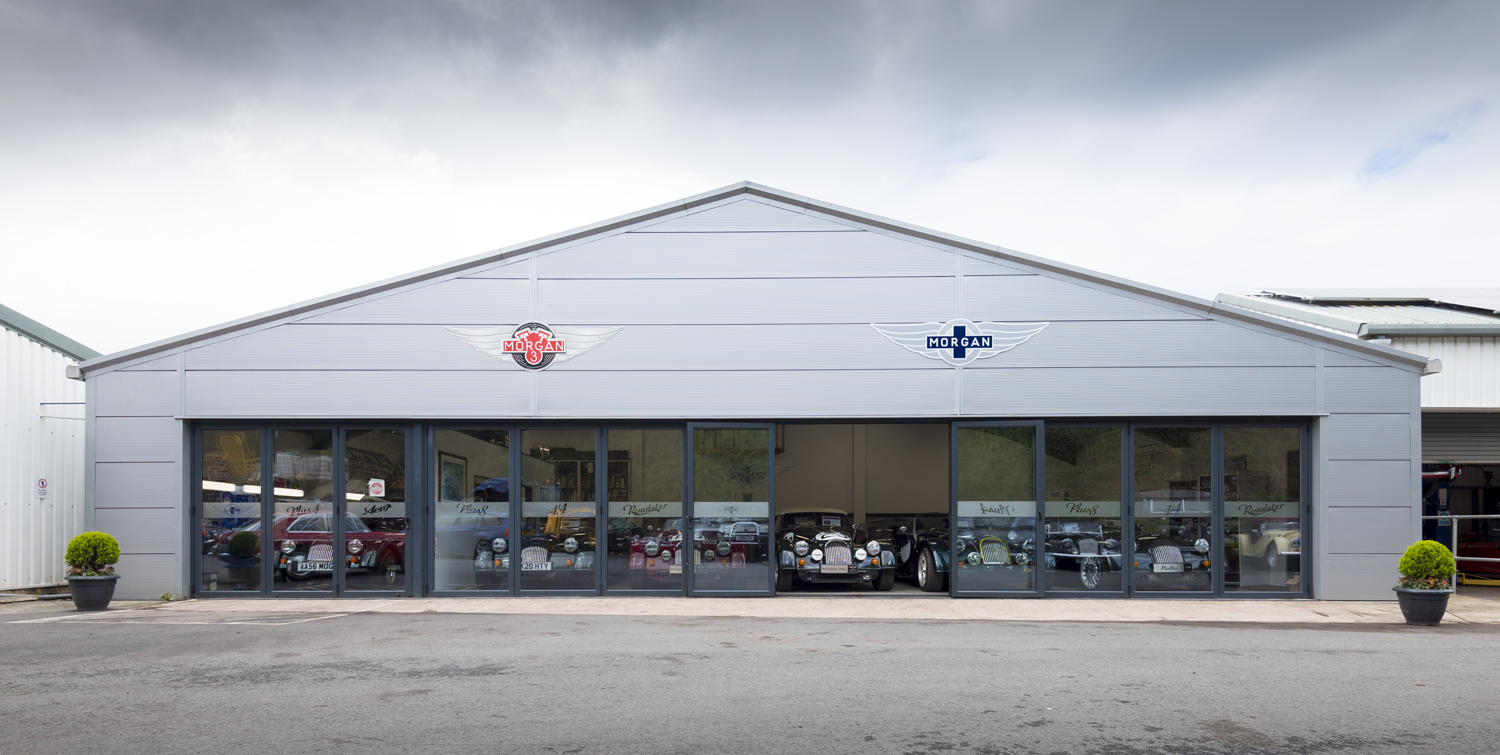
824, 546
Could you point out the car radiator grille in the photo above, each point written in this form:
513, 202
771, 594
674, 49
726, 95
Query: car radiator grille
838, 554
320, 553
1166, 554
1088, 546
534, 554
994, 552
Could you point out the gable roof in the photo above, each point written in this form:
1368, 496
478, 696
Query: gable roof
13, 320
826, 215
1374, 312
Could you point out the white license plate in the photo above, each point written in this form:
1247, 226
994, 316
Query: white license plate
537, 566
317, 566
674, 569
1166, 567
835, 568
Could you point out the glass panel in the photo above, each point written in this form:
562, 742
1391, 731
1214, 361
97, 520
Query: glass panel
302, 523
1173, 508
1263, 508
231, 511
471, 519
376, 522
644, 482
1083, 526
557, 509
996, 525
731, 508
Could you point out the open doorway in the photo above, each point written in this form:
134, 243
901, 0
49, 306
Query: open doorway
862, 508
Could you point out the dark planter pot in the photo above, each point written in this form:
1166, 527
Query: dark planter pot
92, 593
1423, 608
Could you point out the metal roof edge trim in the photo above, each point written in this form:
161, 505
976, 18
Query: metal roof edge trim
13, 320
1429, 329
1283, 309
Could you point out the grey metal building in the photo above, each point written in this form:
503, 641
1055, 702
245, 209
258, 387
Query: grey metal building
678, 377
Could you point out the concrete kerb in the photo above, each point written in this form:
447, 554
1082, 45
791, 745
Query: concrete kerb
1461, 611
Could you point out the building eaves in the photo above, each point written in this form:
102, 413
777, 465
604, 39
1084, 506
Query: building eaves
806, 204
44, 335
1383, 312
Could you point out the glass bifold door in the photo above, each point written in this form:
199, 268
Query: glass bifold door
335, 498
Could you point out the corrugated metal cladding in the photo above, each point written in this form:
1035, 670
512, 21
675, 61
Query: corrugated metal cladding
1471, 371
38, 441
756, 308
1468, 438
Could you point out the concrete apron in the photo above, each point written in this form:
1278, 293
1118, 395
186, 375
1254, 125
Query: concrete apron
1460, 610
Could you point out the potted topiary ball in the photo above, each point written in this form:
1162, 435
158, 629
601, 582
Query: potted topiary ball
1426, 582
240, 560
91, 561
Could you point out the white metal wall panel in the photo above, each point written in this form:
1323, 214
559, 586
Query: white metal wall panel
1470, 438
746, 255
298, 346
35, 443
508, 269
1355, 390
137, 439
768, 394
1471, 371
146, 576
1333, 358
1041, 298
746, 215
740, 301
1368, 529
1368, 437
136, 394
460, 301
1176, 391
358, 394
163, 364
975, 266
134, 485
1381, 483
142, 531
1352, 576
1151, 343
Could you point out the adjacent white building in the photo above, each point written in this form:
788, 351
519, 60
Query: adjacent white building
41, 450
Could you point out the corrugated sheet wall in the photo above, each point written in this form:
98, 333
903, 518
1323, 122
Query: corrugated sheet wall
1461, 437
34, 531
1471, 371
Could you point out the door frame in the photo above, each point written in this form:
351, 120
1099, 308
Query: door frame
690, 514
1038, 476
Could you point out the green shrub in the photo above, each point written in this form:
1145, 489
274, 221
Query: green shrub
244, 544
92, 554
1426, 565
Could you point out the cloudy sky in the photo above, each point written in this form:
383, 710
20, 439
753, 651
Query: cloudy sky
166, 165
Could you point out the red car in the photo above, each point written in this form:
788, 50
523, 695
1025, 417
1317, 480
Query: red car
657, 556
1475, 548
304, 545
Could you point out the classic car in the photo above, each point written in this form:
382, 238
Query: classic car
920, 544
656, 556
559, 552
481, 535
823, 545
990, 550
304, 546
1272, 541
1162, 561
1082, 547
717, 551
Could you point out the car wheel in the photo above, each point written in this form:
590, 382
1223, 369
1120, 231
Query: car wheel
928, 577
294, 574
784, 580
1273, 556
885, 580
387, 566
1088, 572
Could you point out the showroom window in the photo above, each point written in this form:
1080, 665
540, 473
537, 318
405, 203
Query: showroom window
471, 511
1084, 528
229, 500
1263, 509
643, 485
1173, 510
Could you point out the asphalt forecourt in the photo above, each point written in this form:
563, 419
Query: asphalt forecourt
1461, 610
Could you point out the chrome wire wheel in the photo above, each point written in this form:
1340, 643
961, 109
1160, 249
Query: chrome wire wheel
1088, 571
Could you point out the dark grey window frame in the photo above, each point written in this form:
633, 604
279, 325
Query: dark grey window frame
1038, 493
1126, 464
690, 493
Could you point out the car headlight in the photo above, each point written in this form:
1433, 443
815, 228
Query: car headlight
355, 546
500, 544
861, 555
666, 557
708, 554
288, 546
724, 547
571, 545
1201, 545
1022, 558
653, 548
800, 547
1296, 542
1012, 535
817, 554
873, 547
962, 545
973, 558
1068, 546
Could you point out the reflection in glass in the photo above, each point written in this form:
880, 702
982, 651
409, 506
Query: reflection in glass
471, 514
644, 484
231, 511
731, 508
375, 496
1263, 508
996, 526
558, 478
1173, 508
1083, 525
302, 508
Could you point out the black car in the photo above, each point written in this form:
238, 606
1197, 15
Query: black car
994, 553
920, 542
1082, 547
823, 546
